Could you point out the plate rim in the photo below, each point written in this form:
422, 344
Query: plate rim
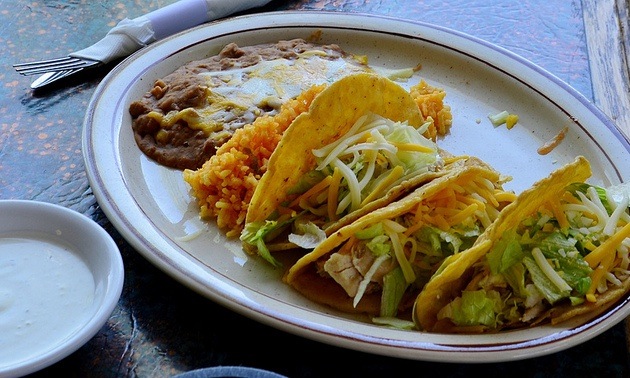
321, 332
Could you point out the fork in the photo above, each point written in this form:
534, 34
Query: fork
66, 64
158, 24
49, 77
163, 22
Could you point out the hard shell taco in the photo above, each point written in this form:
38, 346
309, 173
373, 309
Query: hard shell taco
361, 145
378, 263
560, 250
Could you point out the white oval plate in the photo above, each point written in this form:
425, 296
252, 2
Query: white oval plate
153, 209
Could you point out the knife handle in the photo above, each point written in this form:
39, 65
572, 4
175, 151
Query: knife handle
180, 15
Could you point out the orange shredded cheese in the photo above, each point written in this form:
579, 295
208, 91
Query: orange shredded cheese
394, 175
333, 192
607, 248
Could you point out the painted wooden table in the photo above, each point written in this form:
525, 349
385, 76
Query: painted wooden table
161, 328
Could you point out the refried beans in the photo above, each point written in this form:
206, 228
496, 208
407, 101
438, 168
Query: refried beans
191, 112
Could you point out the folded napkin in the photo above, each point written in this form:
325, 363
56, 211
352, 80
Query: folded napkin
129, 36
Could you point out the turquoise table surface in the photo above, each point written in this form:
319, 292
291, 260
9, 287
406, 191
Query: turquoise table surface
161, 328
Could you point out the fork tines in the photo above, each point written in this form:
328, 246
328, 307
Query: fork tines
51, 65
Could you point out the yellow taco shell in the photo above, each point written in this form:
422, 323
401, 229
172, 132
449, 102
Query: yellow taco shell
303, 274
452, 277
331, 114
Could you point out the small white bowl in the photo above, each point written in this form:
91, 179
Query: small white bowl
61, 276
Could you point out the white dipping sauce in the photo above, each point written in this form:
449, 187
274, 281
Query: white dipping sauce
46, 291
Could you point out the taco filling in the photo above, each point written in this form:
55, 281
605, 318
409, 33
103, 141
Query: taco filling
392, 252
362, 144
566, 257
376, 155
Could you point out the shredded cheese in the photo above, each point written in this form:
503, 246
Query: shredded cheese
312, 191
367, 278
548, 270
412, 147
559, 214
596, 277
399, 253
353, 185
379, 190
365, 158
594, 207
611, 224
333, 192
469, 211
608, 247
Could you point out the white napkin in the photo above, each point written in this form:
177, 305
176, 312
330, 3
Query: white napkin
130, 35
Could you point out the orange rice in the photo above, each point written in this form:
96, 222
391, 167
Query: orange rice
224, 185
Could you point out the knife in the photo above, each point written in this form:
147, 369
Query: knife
130, 35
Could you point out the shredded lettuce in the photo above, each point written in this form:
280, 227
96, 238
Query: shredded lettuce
540, 261
583, 188
573, 269
370, 232
308, 235
505, 253
547, 288
515, 277
306, 182
394, 323
257, 233
475, 308
503, 117
560, 254
394, 286
368, 278
370, 160
400, 74
618, 193
254, 234
380, 245
413, 161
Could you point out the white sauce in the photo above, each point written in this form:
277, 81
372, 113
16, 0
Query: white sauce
267, 84
46, 292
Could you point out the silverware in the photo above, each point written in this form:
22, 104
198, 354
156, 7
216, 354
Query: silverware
54, 69
131, 35
49, 77
64, 64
